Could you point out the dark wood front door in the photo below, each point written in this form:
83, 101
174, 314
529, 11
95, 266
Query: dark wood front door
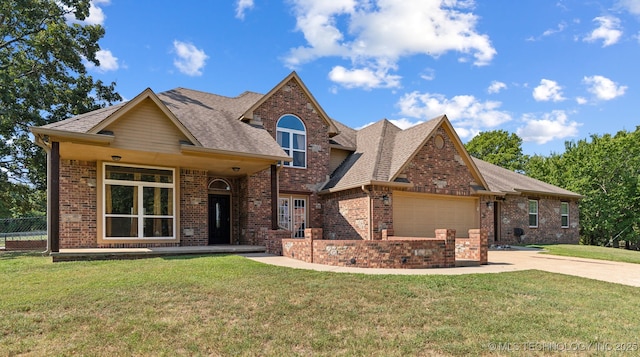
219, 219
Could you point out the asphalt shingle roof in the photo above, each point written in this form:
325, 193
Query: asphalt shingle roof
502, 180
380, 149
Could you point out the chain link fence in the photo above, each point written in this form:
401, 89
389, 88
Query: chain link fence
28, 228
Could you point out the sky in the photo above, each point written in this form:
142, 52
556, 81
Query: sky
549, 71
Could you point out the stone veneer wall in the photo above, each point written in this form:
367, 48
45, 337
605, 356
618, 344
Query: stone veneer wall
392, 253
515, 214
78, 207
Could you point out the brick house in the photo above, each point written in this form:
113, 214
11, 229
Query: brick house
188, 168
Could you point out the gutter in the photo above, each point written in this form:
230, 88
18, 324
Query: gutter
71, 136
567, 195
368, 183
195, 150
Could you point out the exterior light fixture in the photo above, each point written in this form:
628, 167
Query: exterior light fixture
235, 169
116, 157
386, 200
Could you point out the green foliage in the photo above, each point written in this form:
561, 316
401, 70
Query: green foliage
606, 170
499, 148
43, 79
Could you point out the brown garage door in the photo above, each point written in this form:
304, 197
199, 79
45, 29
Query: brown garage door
419, 215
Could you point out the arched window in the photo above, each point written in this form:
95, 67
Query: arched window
219, 185
292, 137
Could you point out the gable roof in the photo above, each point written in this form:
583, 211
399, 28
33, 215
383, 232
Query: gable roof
248, 114
383, 151
208, 120
509, 182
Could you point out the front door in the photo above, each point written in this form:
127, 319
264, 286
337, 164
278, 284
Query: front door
219, 219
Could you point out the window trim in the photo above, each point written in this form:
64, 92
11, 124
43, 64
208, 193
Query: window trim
290, 133
140, 185
562, 215
537, 213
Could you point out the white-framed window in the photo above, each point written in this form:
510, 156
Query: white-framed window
138, 202
292, 137
533, 213
292, 214
564, 214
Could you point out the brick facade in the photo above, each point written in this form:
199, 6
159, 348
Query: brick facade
346, 215
357, 214
78, 204
407, 253
514, 213
439, 170
193, 208
290, 99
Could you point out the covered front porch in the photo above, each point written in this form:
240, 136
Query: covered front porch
64, 255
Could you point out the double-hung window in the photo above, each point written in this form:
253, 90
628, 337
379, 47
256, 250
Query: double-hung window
564, 214
138, 202
292, 137
533, 213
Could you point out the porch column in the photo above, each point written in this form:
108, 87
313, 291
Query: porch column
274, 197
54, 198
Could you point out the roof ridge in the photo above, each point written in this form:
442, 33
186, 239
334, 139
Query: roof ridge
212, 94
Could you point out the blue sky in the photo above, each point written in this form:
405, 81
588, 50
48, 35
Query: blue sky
549, 71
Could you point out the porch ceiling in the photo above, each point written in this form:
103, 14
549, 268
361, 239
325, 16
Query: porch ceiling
217, 164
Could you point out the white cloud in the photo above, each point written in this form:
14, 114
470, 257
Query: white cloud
496, 87
632, 6
108, 62
603, 88
608, 31
581, 100
428, 74
551, 126
548, 90
190, 60
560, 28
364, 78
465, 111
242, 6
96, 15
377, 33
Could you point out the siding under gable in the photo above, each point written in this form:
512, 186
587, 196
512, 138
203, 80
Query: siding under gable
146, 128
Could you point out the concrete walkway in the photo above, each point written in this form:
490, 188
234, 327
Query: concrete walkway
500, 261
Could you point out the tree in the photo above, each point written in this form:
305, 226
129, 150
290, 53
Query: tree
43, 79
499, 148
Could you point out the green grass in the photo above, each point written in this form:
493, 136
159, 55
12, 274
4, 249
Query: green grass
229, 305
592, 252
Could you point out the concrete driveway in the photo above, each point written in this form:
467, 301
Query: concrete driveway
499, 261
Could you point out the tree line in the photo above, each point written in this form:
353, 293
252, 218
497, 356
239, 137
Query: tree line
605, 169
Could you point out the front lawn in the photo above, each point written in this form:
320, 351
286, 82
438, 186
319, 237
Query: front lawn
593, 252
229, 305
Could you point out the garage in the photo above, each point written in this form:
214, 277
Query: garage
419, 215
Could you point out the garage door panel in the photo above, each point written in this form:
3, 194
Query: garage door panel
416, 215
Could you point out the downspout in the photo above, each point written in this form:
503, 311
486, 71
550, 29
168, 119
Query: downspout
369, 208
40, 142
